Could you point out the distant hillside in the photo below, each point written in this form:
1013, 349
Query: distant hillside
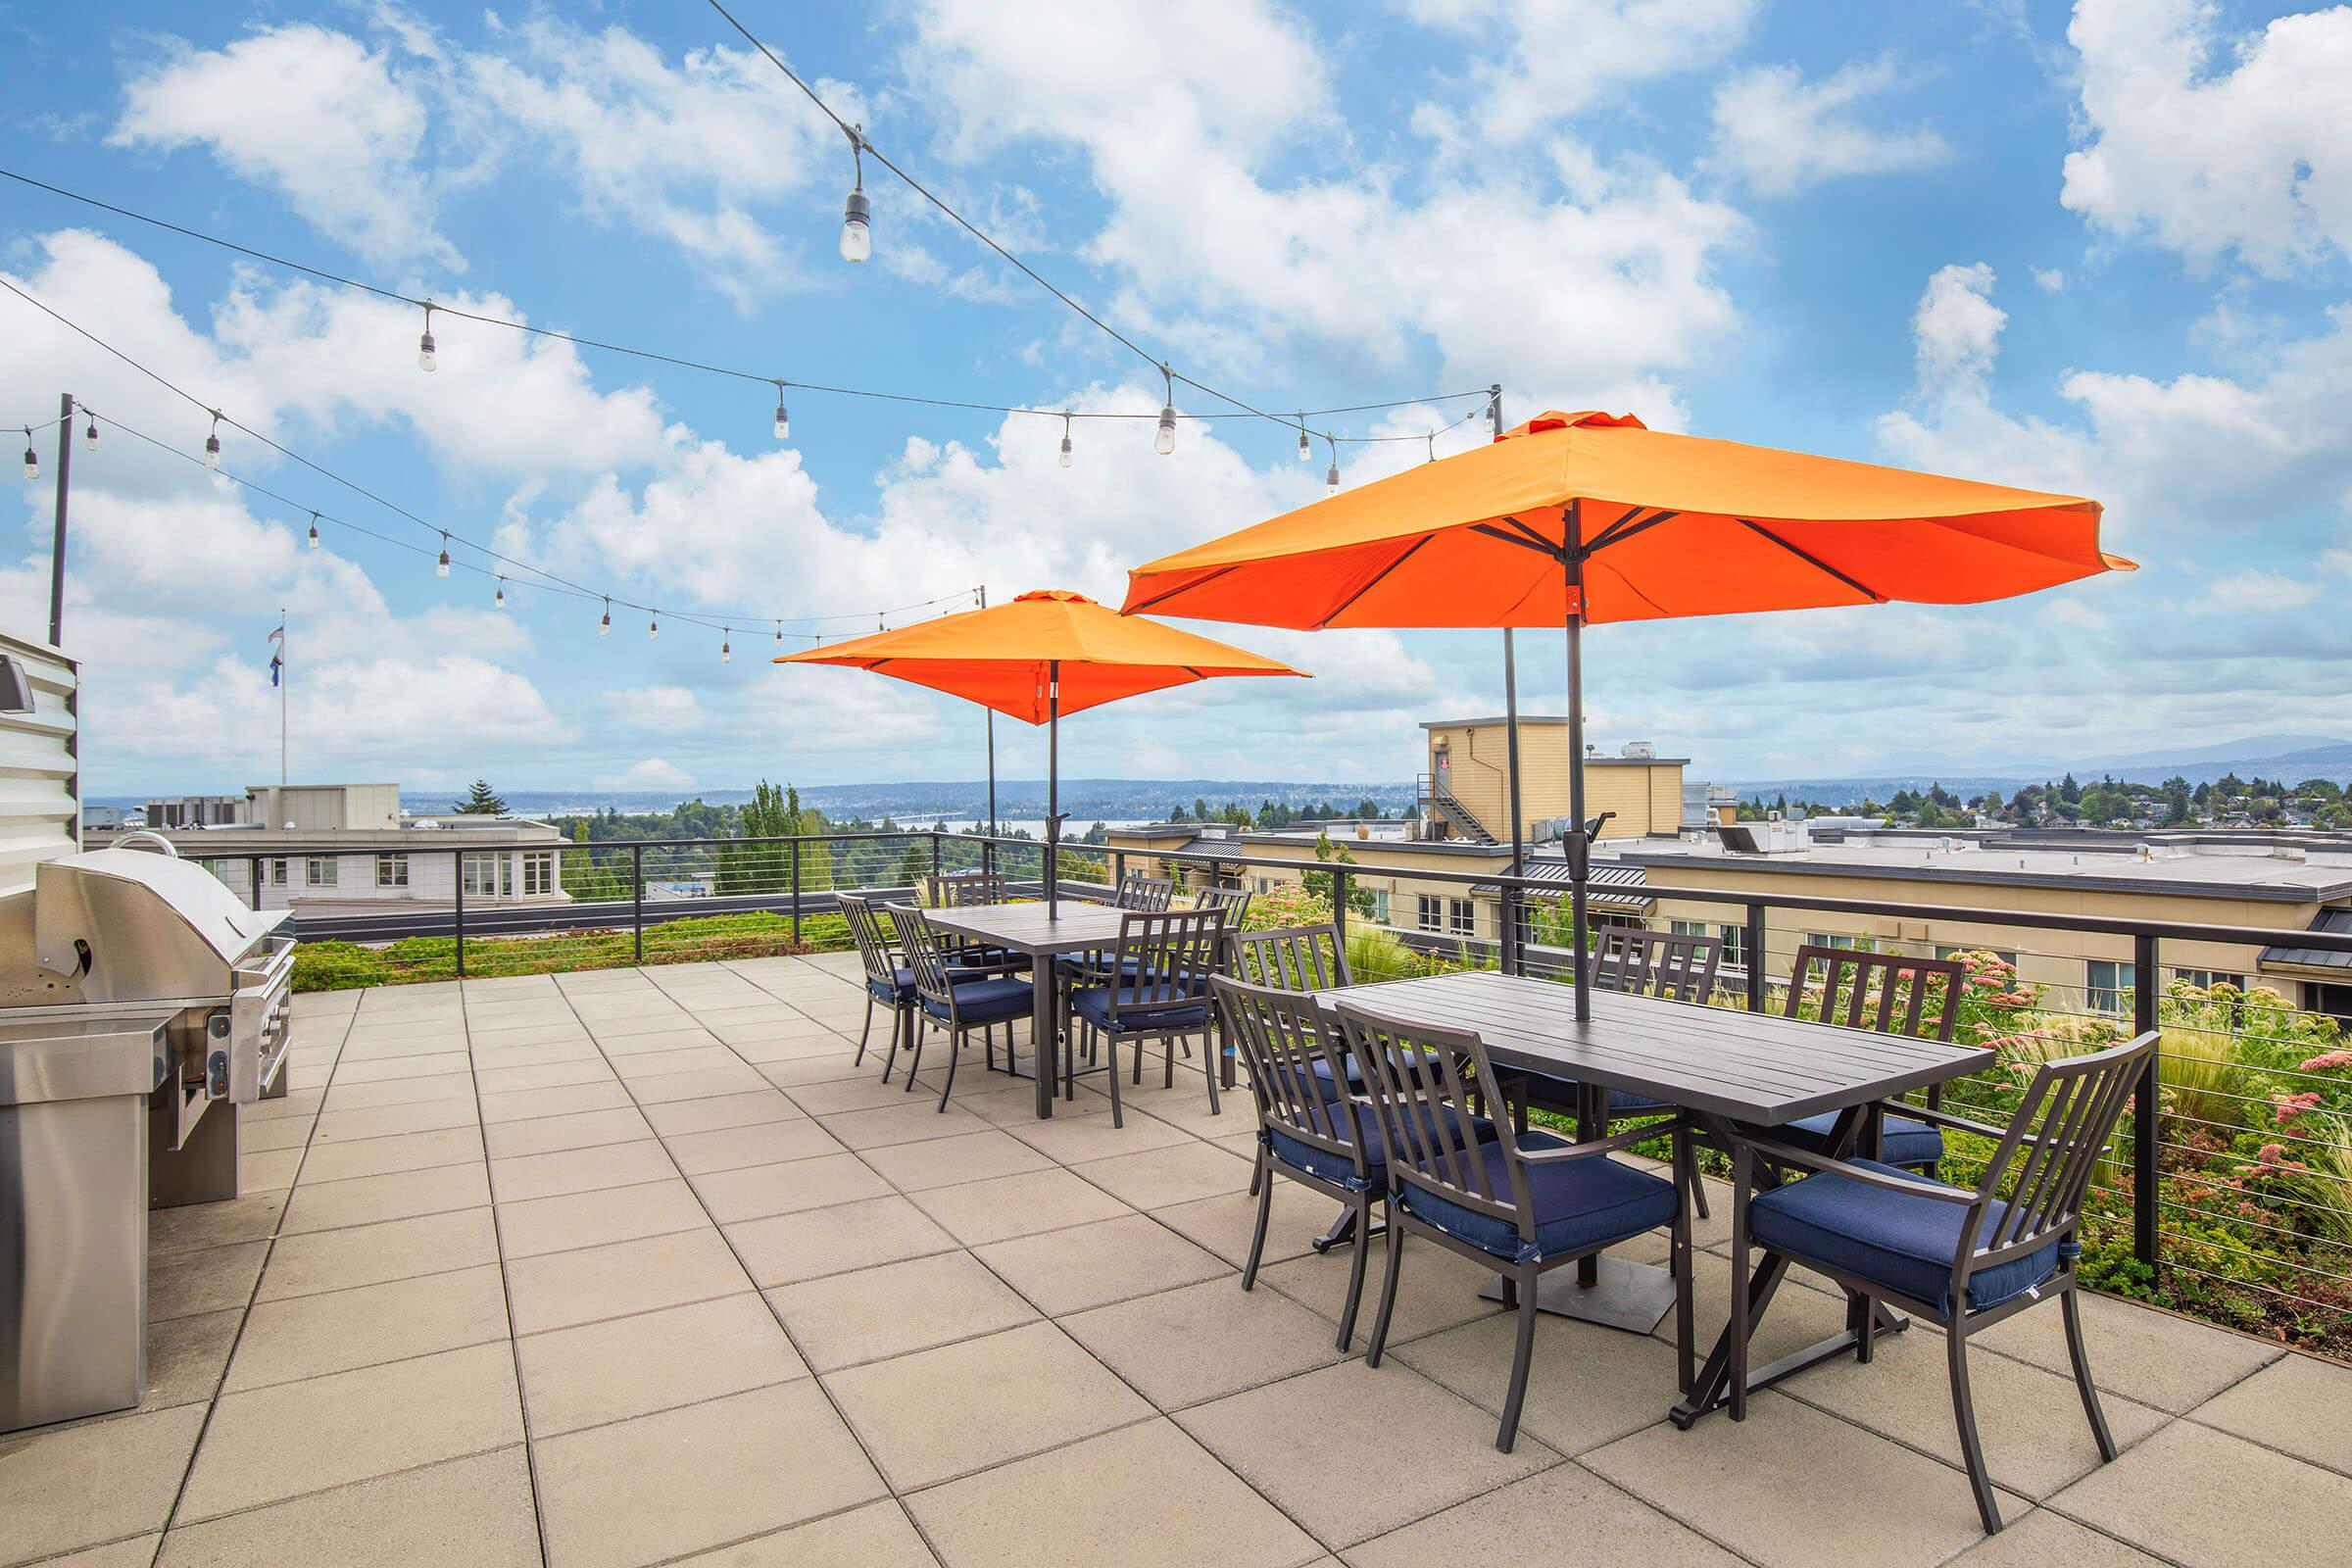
1085, 799
2292, 758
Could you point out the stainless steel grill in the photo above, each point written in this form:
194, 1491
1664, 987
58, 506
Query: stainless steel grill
141, 1006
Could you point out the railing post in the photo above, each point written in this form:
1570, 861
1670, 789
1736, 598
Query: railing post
1118, 870
796, 891
254, 880
1513, 961
935, 851
1339, 906
1755, 957
2145, 1116
459, 906
637, 896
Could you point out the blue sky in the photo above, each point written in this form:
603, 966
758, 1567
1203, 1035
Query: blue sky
2099, 248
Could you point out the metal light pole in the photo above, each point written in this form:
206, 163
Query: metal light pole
988, 850
56, 547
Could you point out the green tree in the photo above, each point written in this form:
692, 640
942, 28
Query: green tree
481, 801
1318, 883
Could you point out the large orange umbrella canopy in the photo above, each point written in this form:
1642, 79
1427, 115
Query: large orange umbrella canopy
1004, 657
1672, 524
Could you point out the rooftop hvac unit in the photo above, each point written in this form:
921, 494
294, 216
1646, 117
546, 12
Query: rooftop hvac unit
1641, 751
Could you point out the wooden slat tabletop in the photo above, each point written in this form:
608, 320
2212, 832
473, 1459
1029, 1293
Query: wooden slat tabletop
1748, 1066
1076, 925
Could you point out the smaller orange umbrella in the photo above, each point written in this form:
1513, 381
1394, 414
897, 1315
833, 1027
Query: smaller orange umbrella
1046, 654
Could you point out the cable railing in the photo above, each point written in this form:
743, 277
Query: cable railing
2230, 1196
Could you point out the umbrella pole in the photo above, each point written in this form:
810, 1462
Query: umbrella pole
1053, 782
1513, 899
1579, 848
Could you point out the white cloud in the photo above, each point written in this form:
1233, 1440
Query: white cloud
656, 708
2068, 611
2253, 157
2255, 592
1957, 328
2049, 279
1776, 133
651, 773
318, 114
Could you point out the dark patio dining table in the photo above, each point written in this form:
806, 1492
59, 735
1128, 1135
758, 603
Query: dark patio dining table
1720, 1065
1042, 932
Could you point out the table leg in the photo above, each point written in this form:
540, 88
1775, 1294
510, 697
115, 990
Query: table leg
1044, 1044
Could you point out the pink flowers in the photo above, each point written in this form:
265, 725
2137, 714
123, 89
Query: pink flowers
2269, 1161
2286, 1107
2333, 1059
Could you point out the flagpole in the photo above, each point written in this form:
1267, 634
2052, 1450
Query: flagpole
283, 676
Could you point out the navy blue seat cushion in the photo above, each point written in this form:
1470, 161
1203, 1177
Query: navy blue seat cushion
1898, 1240
1340, 1167
1902, 1140
904, 991
1560, 1092
987, 1000
1093, 1006
1349, 1065
1578, 1204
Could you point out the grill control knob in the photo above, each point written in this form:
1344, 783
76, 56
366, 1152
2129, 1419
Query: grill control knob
215, 1075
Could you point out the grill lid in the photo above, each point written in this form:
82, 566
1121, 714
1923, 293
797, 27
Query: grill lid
155, 925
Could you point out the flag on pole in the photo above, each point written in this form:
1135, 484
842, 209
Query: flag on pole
277, 654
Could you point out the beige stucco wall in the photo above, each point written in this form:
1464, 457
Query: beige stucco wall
1648, 798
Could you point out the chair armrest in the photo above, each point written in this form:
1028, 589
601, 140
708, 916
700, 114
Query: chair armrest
1788, 1154
1937, 1117
1599, 1146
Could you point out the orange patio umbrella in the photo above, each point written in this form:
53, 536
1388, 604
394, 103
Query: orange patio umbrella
1044, 654
1586, 517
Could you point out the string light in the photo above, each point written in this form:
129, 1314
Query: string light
1166, 441
1330, 479
783, 419
779, 634
1065, 440
212, 443
653, 627
499, 603
858, 217
32, 461
313, 530
424, 344
726, 648
441, 566
603, 627
89, 436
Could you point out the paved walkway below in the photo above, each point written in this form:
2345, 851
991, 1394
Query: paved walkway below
635, 1267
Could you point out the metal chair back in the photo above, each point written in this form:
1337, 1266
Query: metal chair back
924, 956
1880, 990
1423, 1100
1165, 959
1299, 957
877, 941
1671, 966
2047, 1158
957, 890
1148, 893
1284, 1038
1231, 903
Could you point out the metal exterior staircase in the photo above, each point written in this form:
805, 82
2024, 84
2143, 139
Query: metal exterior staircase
1456, 815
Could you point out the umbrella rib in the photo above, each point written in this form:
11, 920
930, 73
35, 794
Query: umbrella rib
1815, 562
1168, 593
1616, 533
1370, 583
1536, 543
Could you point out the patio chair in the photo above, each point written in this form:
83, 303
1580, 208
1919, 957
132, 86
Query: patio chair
1669, 965
963, 890
1155, 987
1966, 1259
1232, 902
887, 982
1892, 995
1524, 1203
956, 1001
1325, 1140
1299, 957
1149, 893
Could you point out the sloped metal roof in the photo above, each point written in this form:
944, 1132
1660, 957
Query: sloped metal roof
2338, 921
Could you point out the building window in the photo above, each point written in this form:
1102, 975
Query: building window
2109, 985
278, 872
538, 873
319, 871
1823, 939
1461, 917
1429, 912
2207, 979
1947, 950
391, 870
1380, 905
489, 876
1734, 938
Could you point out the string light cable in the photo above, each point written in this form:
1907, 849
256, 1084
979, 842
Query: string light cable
428, 350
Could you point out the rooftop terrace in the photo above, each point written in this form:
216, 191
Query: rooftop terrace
636, 1267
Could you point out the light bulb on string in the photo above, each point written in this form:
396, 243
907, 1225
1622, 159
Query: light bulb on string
499, 603
1166, 441
653, 627
33, 460
1065, 441
603, 627
212, 443
313, 530
858, 215
441, 566
726, 646
783, 419
89, 435
1331, 479
779, 634
1305, 452
424, 344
